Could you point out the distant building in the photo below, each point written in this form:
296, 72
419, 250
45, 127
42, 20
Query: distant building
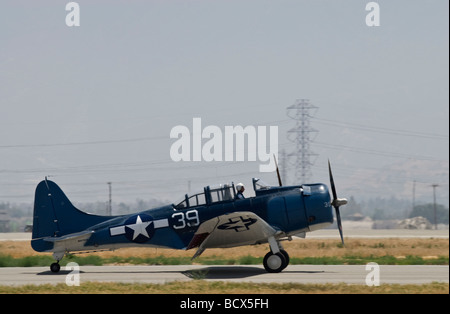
4, 221
415, 223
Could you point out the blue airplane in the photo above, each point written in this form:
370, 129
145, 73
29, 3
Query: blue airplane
218, 217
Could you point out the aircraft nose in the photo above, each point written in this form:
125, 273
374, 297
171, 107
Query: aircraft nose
318, 206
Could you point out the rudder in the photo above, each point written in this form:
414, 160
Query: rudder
55, 216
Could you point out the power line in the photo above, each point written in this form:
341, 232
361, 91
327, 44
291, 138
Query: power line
139, 139
377, 152
318, 120
381, 130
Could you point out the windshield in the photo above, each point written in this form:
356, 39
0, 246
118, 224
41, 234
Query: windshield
194, 200
259, 184
221, 193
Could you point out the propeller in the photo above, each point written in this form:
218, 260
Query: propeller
278, 171
336, 203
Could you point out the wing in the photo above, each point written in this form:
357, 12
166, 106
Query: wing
236, 229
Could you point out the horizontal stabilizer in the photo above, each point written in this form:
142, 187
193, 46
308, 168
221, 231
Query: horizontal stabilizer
83, 235
69, 242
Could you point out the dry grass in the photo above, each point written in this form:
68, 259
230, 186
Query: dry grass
425, 248
199, 287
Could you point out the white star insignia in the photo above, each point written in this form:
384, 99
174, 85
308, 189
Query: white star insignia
140, 227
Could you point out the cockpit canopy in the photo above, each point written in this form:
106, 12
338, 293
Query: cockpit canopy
221, 193
210, 195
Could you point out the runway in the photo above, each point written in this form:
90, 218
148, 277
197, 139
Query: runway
317, 274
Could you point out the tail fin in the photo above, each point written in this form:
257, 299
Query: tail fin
55, 216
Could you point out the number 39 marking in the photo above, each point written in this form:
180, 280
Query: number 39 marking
189, 218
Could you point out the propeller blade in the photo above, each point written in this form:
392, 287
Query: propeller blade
339, 223
278, 171
333, 188
336, 203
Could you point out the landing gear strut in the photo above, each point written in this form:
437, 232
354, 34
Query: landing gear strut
55, 267
277, 259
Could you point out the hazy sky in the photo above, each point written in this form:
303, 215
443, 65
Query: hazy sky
96, 103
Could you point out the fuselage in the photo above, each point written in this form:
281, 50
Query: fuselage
289, 210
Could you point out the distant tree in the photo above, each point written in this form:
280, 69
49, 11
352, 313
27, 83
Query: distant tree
378, 214
122, 209
427, 211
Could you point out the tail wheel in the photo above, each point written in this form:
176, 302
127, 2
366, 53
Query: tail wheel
55, 267
274, 263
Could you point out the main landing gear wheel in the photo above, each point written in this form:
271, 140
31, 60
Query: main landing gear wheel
275, 263
55, 267
286, 257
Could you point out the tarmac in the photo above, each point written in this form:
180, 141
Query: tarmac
315, 274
